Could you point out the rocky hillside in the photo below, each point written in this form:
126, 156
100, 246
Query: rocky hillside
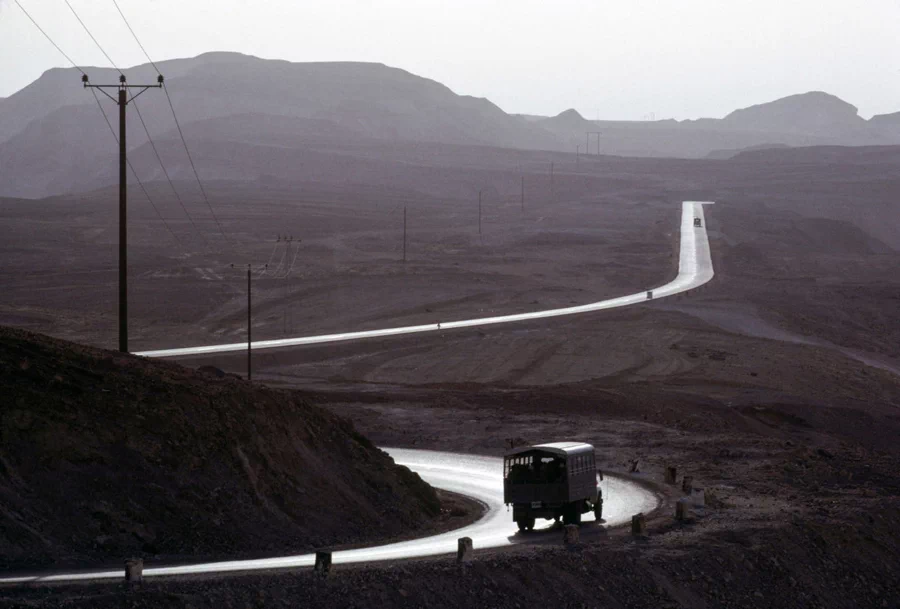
814, 113
365, 100
104, 456
54, 140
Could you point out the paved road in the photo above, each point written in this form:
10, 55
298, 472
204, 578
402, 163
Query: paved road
694, 269
478, 477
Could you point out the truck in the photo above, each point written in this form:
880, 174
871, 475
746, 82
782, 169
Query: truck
557, 481
698, 222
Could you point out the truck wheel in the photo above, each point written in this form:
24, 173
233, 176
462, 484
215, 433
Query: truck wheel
525, 524
598, 510
572, 515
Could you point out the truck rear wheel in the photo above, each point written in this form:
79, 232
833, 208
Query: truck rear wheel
525, 524
572, 515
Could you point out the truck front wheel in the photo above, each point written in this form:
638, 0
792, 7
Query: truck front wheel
525, 524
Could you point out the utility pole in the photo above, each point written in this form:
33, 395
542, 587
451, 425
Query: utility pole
597, 133
249, 327
479, 213
122, 101
578, 153
404, 234
552, 191
523, 193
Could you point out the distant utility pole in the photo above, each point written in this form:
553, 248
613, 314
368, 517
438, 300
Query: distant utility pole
597, 133
123, 101
404, 234
523, 193
578, 153
552, 191
479, 213
249, 327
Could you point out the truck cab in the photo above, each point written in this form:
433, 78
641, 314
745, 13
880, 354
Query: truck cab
551, 481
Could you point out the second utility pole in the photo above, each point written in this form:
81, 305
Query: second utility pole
249, 327
122, 101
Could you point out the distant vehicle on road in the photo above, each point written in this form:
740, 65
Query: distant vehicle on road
698, 222
551, 481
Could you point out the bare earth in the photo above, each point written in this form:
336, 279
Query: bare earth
776, 386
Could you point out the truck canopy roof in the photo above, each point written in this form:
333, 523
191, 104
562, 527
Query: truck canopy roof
557, 448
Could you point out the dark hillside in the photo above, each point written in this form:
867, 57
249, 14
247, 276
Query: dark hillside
104, 456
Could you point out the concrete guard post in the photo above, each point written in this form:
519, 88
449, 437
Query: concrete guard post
570, 534
464, 550
639, 525
682, 510
671, 475
134, 570
698, 497
323, 562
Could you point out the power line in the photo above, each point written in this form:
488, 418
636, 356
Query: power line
290, 268
128, 25
166, 172
143, 124
92, 37
134, 173
190, 158
105, 118
174, 116
281, 262
47, 36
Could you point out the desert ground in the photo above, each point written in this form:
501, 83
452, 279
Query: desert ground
776, 386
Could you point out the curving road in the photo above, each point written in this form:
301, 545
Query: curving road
694, 269
478, 477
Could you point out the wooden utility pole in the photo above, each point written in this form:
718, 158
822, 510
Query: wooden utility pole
552, 191
404, 233
523, 193
479, 213
597, 133
122, 101
249, 327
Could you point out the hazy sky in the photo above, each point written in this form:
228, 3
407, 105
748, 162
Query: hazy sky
608, 58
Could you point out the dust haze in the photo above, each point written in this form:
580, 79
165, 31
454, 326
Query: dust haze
363, 167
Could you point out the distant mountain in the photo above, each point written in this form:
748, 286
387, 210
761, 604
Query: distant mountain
888, 124
886, 119
370, 98
53, 139
56, 154
42, 126
808, 119
570, 119
814, 113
